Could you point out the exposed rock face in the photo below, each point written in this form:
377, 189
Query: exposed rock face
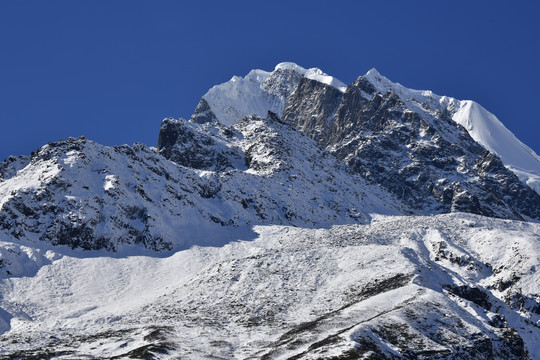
202, 114
279, 85
430, 162
188, 146
311, 108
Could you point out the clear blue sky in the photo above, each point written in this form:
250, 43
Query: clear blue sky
112, 70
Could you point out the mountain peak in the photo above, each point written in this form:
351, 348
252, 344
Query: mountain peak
313, 74
373, 73
383, 84
290, 66
279, 225
257, 93
375, 77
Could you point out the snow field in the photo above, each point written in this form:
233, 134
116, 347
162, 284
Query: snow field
352, 282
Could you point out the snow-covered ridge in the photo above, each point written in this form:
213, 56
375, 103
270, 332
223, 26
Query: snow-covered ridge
314, 74
220, 181
483, 126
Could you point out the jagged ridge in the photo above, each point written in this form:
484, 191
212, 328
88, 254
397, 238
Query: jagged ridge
223, 180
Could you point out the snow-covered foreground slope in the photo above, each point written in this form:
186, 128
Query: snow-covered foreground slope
483, 126
447, 286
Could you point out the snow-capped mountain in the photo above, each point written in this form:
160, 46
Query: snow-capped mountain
261, 91
292, 217
411, 142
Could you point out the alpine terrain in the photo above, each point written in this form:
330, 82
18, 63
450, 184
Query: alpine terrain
291, 217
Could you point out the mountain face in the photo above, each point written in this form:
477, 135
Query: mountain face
409, 143
481, 125
292, 216
423, 157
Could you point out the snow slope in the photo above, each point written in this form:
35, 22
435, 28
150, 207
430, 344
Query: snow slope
483, 126
400, 287
486, 129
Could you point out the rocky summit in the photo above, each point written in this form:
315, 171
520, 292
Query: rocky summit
291, 217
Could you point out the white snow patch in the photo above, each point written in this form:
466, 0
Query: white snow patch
239, 97
71, 158
110, 180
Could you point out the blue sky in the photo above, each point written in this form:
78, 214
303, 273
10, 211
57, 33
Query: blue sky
112, 70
